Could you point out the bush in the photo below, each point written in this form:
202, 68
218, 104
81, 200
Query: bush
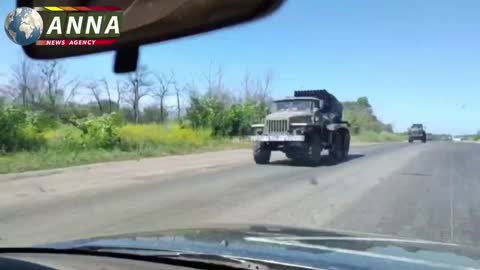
99, 131
18, 131
93, 132
30, 138
65, 137
105, 132
41, 120
134, 137
205, 112
477, 136
235, 120
361, 117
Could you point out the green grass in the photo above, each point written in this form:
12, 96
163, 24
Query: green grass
64, 147
54, 158
137, 141
57, 158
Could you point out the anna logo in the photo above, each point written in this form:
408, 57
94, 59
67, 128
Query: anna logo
72, 26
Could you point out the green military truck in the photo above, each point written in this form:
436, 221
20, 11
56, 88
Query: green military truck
302, 127
417, 132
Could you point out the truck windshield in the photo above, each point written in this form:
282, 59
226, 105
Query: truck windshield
293, 105
417, 126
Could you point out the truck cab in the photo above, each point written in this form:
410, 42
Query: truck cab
302, 126
417, 132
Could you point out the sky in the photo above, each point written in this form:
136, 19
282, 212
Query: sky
416, 61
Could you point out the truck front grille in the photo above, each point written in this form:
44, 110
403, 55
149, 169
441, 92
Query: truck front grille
277, 126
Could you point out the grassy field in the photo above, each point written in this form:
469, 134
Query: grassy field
54, 158
137, 141
64, 147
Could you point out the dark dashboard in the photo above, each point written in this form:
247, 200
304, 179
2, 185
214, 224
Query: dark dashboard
76, 262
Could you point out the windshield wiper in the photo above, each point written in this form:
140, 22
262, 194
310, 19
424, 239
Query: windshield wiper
166, 256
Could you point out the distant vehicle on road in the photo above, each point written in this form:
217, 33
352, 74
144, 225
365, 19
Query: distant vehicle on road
301, 127
417, 132
457, 139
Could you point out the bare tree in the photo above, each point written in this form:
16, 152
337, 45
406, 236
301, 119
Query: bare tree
96, 93
71, 92
214, 81
101, 92
109, 95
165, 82
51, 77
120, 89
24, 82
247, 86
179, 91
257, 89
216, 87
263, 87
139, 84
190, 90
55, 90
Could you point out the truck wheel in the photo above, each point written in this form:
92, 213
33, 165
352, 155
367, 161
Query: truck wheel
336, 153
291, 156
424, 139
314, 152
261, 154
410, 140
346, 145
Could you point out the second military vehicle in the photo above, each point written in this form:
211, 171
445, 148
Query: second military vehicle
417, 132
302, 127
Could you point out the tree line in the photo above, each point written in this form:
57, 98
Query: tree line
45, 87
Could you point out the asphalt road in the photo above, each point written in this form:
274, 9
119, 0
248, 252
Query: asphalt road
427, 191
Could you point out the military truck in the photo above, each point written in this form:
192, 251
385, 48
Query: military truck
302, 127
417, 132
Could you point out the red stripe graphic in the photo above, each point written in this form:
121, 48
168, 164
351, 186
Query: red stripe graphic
105, 41
97, 8
83, 8
113, 8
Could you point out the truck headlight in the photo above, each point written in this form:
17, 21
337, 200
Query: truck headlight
299, 131
257, 129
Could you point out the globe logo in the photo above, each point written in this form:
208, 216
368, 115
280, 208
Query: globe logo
24, 26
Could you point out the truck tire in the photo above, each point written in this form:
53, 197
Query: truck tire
346, 145
337, 152
410, 140
261, 154
291, 156
424, 138
313, 154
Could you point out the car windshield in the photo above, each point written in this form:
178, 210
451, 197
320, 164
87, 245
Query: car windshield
349, 116
293, 105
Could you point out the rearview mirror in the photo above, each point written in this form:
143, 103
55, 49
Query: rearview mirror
140, 22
